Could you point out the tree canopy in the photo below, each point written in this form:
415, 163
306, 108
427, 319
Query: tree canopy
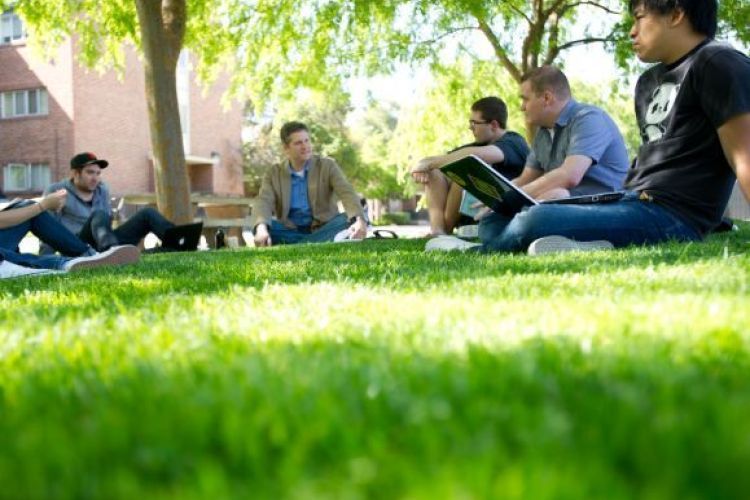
317, 43
274, 47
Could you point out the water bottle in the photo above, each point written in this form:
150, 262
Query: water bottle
220, 238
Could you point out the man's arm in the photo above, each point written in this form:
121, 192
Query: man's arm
262, 209
528, 175
590, 137
350, 199
567, 176
53, 201
345, 192
735, 141
264, 205
489, 153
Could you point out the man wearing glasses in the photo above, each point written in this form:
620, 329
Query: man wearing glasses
505, 150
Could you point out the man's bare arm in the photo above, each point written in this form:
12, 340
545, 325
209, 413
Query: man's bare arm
735, 141
53, 201
567, 176
527, 176
490, 154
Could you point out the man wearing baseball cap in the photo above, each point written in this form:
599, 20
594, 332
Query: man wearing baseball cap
88, 208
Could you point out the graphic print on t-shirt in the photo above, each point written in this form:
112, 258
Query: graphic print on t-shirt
659, 107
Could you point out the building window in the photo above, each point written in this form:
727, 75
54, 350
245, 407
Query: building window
17, 103
11, 28
26, 177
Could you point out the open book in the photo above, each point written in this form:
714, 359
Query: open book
5, 205
502, 196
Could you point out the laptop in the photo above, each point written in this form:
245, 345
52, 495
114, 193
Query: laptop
183, 238
502, 196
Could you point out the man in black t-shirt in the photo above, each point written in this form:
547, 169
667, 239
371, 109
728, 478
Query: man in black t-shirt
693, 111
505, 150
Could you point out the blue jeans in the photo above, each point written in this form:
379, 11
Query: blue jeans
628, 221
48, 230
281, 234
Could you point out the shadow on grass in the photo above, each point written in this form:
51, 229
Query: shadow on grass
345, 417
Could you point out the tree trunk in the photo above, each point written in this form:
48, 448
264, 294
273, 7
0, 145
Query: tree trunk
162, 24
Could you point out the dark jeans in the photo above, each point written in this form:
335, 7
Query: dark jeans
50, 231
281, 234
97, 230
628, 221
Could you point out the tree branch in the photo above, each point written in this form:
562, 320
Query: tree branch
446, 34
593, 4
553, 37
500, 52
552, 8
521, 14
584, 41
533, 35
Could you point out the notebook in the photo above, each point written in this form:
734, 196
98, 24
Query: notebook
499, 194
7, 205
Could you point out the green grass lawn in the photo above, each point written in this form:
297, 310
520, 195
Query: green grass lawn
377, 370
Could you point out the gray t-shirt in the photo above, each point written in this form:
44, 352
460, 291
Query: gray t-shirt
76, 211
582, 129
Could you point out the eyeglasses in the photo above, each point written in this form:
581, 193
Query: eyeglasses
474, 123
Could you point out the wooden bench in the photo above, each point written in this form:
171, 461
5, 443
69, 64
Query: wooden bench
197, 199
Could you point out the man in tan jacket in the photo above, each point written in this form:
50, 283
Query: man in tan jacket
297, 200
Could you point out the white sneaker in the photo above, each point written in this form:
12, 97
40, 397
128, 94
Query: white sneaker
469, 231
115, 256
449, 243
345, 236
11, 270
558, 244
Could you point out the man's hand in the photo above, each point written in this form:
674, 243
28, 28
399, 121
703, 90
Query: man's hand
262, 238
358, 230
54, 201
483, 211
421, 171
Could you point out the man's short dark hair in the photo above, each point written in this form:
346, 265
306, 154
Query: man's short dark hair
548, 78
492, 108
702, 14
289, 128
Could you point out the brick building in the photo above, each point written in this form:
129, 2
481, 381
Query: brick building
50, 111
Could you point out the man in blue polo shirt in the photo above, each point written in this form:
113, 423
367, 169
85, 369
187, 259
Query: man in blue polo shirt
577, 150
